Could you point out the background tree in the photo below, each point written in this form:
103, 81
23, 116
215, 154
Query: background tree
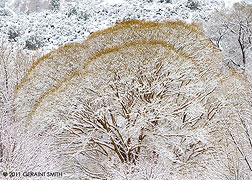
236, 114
231, 32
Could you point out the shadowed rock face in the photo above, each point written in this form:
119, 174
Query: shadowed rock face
55, 70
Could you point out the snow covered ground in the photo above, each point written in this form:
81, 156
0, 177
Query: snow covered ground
40, 24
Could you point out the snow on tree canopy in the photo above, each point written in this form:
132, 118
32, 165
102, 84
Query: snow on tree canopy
127, 88
56, 80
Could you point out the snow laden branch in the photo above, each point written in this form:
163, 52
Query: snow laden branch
21, 150
231, 31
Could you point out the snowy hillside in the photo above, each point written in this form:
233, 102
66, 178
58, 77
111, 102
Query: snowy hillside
41, 24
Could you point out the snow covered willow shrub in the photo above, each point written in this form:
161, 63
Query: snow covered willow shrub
21, 150
135, 101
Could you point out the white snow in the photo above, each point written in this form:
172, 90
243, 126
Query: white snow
229, 3
114, 1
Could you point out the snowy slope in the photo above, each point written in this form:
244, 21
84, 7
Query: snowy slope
37, 25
